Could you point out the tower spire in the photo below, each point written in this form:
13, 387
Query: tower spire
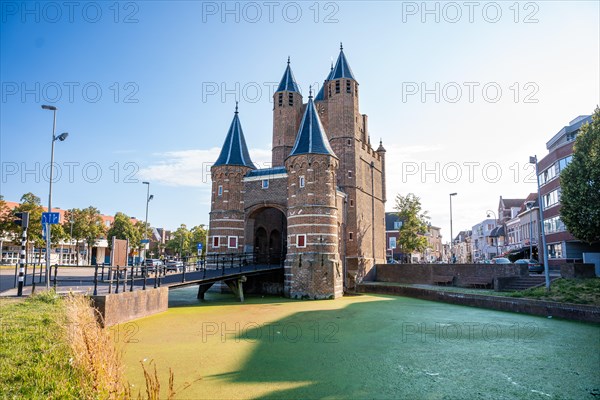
236, 107
342, 68
311, 138
288, 82
235, 151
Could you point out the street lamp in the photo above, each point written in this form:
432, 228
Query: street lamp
148, 198
451, 234
60, 137
489, 214
534, 160
529, 206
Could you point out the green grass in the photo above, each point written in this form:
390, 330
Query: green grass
35, 358
576, 291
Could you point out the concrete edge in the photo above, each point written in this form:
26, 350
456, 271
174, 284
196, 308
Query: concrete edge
575, 312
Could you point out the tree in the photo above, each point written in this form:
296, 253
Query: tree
198, 235
180, 241
580, 184
88, 226
414, 224
123, 228
32, 204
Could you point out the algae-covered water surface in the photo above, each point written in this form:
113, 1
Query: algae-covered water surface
360, 347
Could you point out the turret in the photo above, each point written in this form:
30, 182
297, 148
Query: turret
381, 152
313, 268
227, 208
287, 110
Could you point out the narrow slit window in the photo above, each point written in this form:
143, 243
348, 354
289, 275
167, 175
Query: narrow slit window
220, 191
265, 183
350, 235
337, 86
348, 86
280, 99
291, 99
302, 181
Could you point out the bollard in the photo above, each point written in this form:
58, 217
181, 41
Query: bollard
183, 277
131, 287
109, 279
144, 276
96, 280
155, 276
16, 273
117, 287
55, 275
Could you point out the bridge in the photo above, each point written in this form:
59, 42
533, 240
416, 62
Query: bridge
231, 268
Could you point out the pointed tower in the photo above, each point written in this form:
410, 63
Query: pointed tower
361, 174
227, 204
312, 267
287, 111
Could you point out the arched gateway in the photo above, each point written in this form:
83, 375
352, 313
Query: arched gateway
319, 210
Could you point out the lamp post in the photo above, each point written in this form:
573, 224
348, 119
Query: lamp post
148, 198
60, 137
529, 206
534, 160
495, 226
71, 235
451, 234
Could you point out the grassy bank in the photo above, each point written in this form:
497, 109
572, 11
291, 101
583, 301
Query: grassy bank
36, 361
575, 291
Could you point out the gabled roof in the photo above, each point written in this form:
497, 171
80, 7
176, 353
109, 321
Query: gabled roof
341, 68
235, 151
288, 82
311, 138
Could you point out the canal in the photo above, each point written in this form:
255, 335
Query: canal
369, 346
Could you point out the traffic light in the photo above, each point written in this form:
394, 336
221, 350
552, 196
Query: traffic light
22, 219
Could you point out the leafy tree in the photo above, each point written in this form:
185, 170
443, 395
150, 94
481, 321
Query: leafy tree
123, 228
6, 220
180, 241
414, 223
88, 226
198, 235
580, 184
33, 205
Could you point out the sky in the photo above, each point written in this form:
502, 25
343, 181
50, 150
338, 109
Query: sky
460, 93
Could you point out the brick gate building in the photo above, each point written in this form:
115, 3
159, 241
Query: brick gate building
320, 208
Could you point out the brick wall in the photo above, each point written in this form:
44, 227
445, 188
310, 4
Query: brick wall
127, 306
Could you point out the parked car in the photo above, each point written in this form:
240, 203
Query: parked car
501, 260
150, 264
174, 265
532, 264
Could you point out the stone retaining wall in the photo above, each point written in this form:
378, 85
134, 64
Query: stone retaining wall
576, 312
126, 306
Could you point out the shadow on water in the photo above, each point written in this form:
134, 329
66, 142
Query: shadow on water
395, 347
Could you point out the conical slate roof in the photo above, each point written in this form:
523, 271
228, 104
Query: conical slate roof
342, 68
288, 82
311, 138
235, 151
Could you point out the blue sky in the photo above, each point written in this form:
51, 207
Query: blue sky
460, 96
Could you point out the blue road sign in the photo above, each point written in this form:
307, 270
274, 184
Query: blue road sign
144, 241
199, 246
51, 218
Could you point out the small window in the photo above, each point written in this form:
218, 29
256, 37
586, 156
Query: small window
280, 99
265, 183
329, 89
301, 183
291, 99
232, 242
215, 241
349, 141
351, 203
397, 224
348, 86
220, 191
350, 235
337, 86
349, 174
301, 240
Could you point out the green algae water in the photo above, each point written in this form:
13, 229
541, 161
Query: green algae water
360, 347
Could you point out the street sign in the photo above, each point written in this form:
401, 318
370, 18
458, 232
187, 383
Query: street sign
50, 218
199, 246
144, 241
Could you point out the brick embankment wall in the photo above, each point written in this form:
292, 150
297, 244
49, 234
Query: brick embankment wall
426, 273
575, 312
127, 306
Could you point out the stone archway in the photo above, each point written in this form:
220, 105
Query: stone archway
266, 231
